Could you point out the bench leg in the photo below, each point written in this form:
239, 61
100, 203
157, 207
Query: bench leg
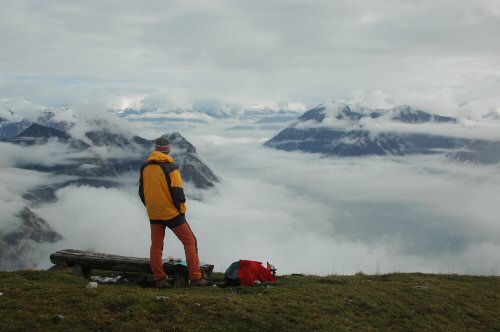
181, 279
81, 271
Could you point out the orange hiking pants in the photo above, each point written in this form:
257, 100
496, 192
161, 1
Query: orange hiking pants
183, 233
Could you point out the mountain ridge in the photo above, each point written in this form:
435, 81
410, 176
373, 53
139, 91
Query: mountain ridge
343, 130
138, 148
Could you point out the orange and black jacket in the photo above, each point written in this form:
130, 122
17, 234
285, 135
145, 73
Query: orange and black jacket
160, 189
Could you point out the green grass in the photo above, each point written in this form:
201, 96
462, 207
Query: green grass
32, 299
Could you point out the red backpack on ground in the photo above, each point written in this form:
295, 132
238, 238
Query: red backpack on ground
245, 273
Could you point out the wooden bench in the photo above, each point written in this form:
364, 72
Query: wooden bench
83, 262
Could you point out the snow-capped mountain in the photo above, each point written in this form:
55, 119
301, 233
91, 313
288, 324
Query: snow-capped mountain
354, 113
355, 130
162, 115
202, 113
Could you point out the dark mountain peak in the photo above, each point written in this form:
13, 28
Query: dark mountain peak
339, 111
104, 132
32, 227
38, 134
192, 168
38, 131
180, 143
20, 247
317, 114
346, 112
25, 122
142, 141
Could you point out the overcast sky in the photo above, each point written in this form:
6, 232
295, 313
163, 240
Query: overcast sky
434, 53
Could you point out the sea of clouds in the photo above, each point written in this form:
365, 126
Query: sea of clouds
302, 212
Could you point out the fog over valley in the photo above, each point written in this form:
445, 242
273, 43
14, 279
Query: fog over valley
305, 212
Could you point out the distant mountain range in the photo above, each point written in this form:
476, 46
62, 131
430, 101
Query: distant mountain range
200, 114
94, 166
351, 130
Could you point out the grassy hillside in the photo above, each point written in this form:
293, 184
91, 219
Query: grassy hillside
31, 301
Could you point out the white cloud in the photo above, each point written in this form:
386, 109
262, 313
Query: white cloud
345, 215
49, 154
106, 220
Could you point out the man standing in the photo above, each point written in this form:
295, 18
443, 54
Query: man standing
160, 189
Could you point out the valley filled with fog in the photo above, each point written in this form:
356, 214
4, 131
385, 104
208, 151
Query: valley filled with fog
308, 213
303, 212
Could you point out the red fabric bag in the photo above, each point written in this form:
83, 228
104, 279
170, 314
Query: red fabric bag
252, 270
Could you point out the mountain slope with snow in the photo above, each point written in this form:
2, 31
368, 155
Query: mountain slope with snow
352, 130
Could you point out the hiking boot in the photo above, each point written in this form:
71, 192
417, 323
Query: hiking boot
164, 283
199, 282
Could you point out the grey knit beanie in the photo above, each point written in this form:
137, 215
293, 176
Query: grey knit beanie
162, 144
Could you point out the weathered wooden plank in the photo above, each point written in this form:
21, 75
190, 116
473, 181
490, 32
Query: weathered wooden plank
100, 261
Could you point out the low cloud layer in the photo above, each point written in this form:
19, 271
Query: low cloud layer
305, 213
402, 214
302, 212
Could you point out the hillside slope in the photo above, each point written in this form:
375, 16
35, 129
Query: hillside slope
32, 300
